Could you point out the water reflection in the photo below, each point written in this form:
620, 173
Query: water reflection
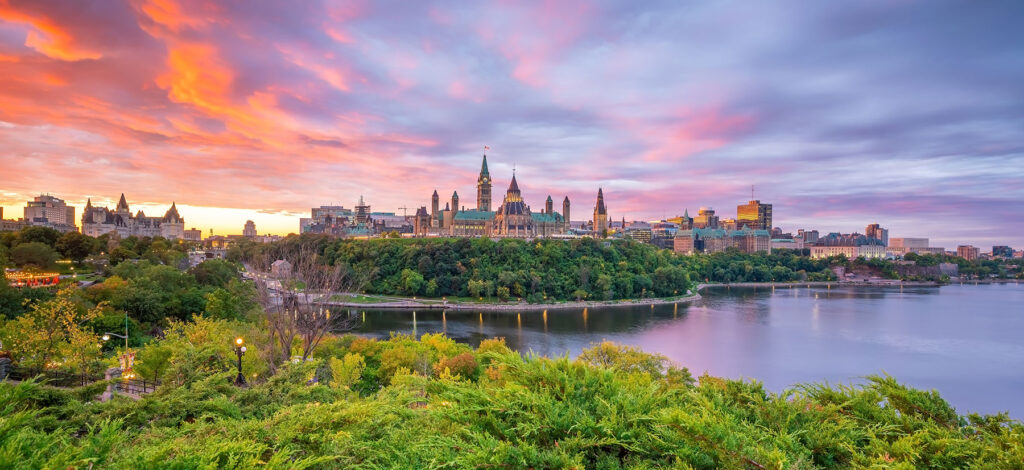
962, 340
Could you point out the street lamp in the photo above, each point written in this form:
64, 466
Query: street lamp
107, 335
239, 350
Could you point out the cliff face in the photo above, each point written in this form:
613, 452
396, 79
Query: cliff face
919, 271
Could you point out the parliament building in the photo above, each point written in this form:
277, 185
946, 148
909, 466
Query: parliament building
511, 219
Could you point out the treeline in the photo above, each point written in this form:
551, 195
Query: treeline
733, 265
974, 269
434, 403
539, 270
535, 270
41, 247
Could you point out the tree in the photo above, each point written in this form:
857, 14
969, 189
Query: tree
34, 233
81, 351
412, 282
35, 254
38, 336
223, 305
298, 305
75, 246
215, 272
120, 254
475, 287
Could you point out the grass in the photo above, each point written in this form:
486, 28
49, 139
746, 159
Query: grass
360, 299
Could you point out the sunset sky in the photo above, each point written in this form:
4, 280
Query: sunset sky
907, 113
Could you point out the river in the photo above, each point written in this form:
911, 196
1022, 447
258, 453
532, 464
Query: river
965, 341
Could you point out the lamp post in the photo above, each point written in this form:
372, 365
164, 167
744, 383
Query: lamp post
106, 336
127, 359
239, 350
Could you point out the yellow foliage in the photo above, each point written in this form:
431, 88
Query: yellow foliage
346, 371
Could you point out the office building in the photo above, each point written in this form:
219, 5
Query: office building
754, 215
48, 211
968, 252
877, 232
705, 218
249, 231
1002, 251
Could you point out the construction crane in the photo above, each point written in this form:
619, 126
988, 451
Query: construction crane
405, 214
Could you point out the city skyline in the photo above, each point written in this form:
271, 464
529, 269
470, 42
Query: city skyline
905, 114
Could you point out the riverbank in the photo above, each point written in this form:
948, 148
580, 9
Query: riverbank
407, 303
385, 303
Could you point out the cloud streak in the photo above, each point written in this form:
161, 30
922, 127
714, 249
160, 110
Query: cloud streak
897, 112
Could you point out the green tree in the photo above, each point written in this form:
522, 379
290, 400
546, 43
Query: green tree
75, 246
38, 336
411, 282
215, 272
223, 305
44, 235
35, 254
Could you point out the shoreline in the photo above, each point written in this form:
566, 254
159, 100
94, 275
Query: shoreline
434, 304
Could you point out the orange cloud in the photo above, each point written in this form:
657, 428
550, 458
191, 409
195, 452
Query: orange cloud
47, 37
171, 15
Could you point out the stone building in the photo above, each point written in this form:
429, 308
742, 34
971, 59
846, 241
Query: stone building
600, 215
97, 221
512, 219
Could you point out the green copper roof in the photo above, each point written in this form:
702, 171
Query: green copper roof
474, 215
483, 169
556, 217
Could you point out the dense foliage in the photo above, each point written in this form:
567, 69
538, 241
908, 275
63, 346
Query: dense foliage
434, 403
531, 270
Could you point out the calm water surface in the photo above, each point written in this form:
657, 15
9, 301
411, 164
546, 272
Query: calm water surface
965, 341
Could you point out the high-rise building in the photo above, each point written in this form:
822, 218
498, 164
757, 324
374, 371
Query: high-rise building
600, 215
754, 215
483, 188
685, 222
877, 232
48, 211
809, 236
250, 229
1002, 251
968, 252
706, 218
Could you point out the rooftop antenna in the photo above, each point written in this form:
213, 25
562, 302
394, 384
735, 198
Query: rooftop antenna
751, 192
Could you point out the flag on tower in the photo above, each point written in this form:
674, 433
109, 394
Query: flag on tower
486, 147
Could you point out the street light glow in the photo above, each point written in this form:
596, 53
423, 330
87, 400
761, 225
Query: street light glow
239, 341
